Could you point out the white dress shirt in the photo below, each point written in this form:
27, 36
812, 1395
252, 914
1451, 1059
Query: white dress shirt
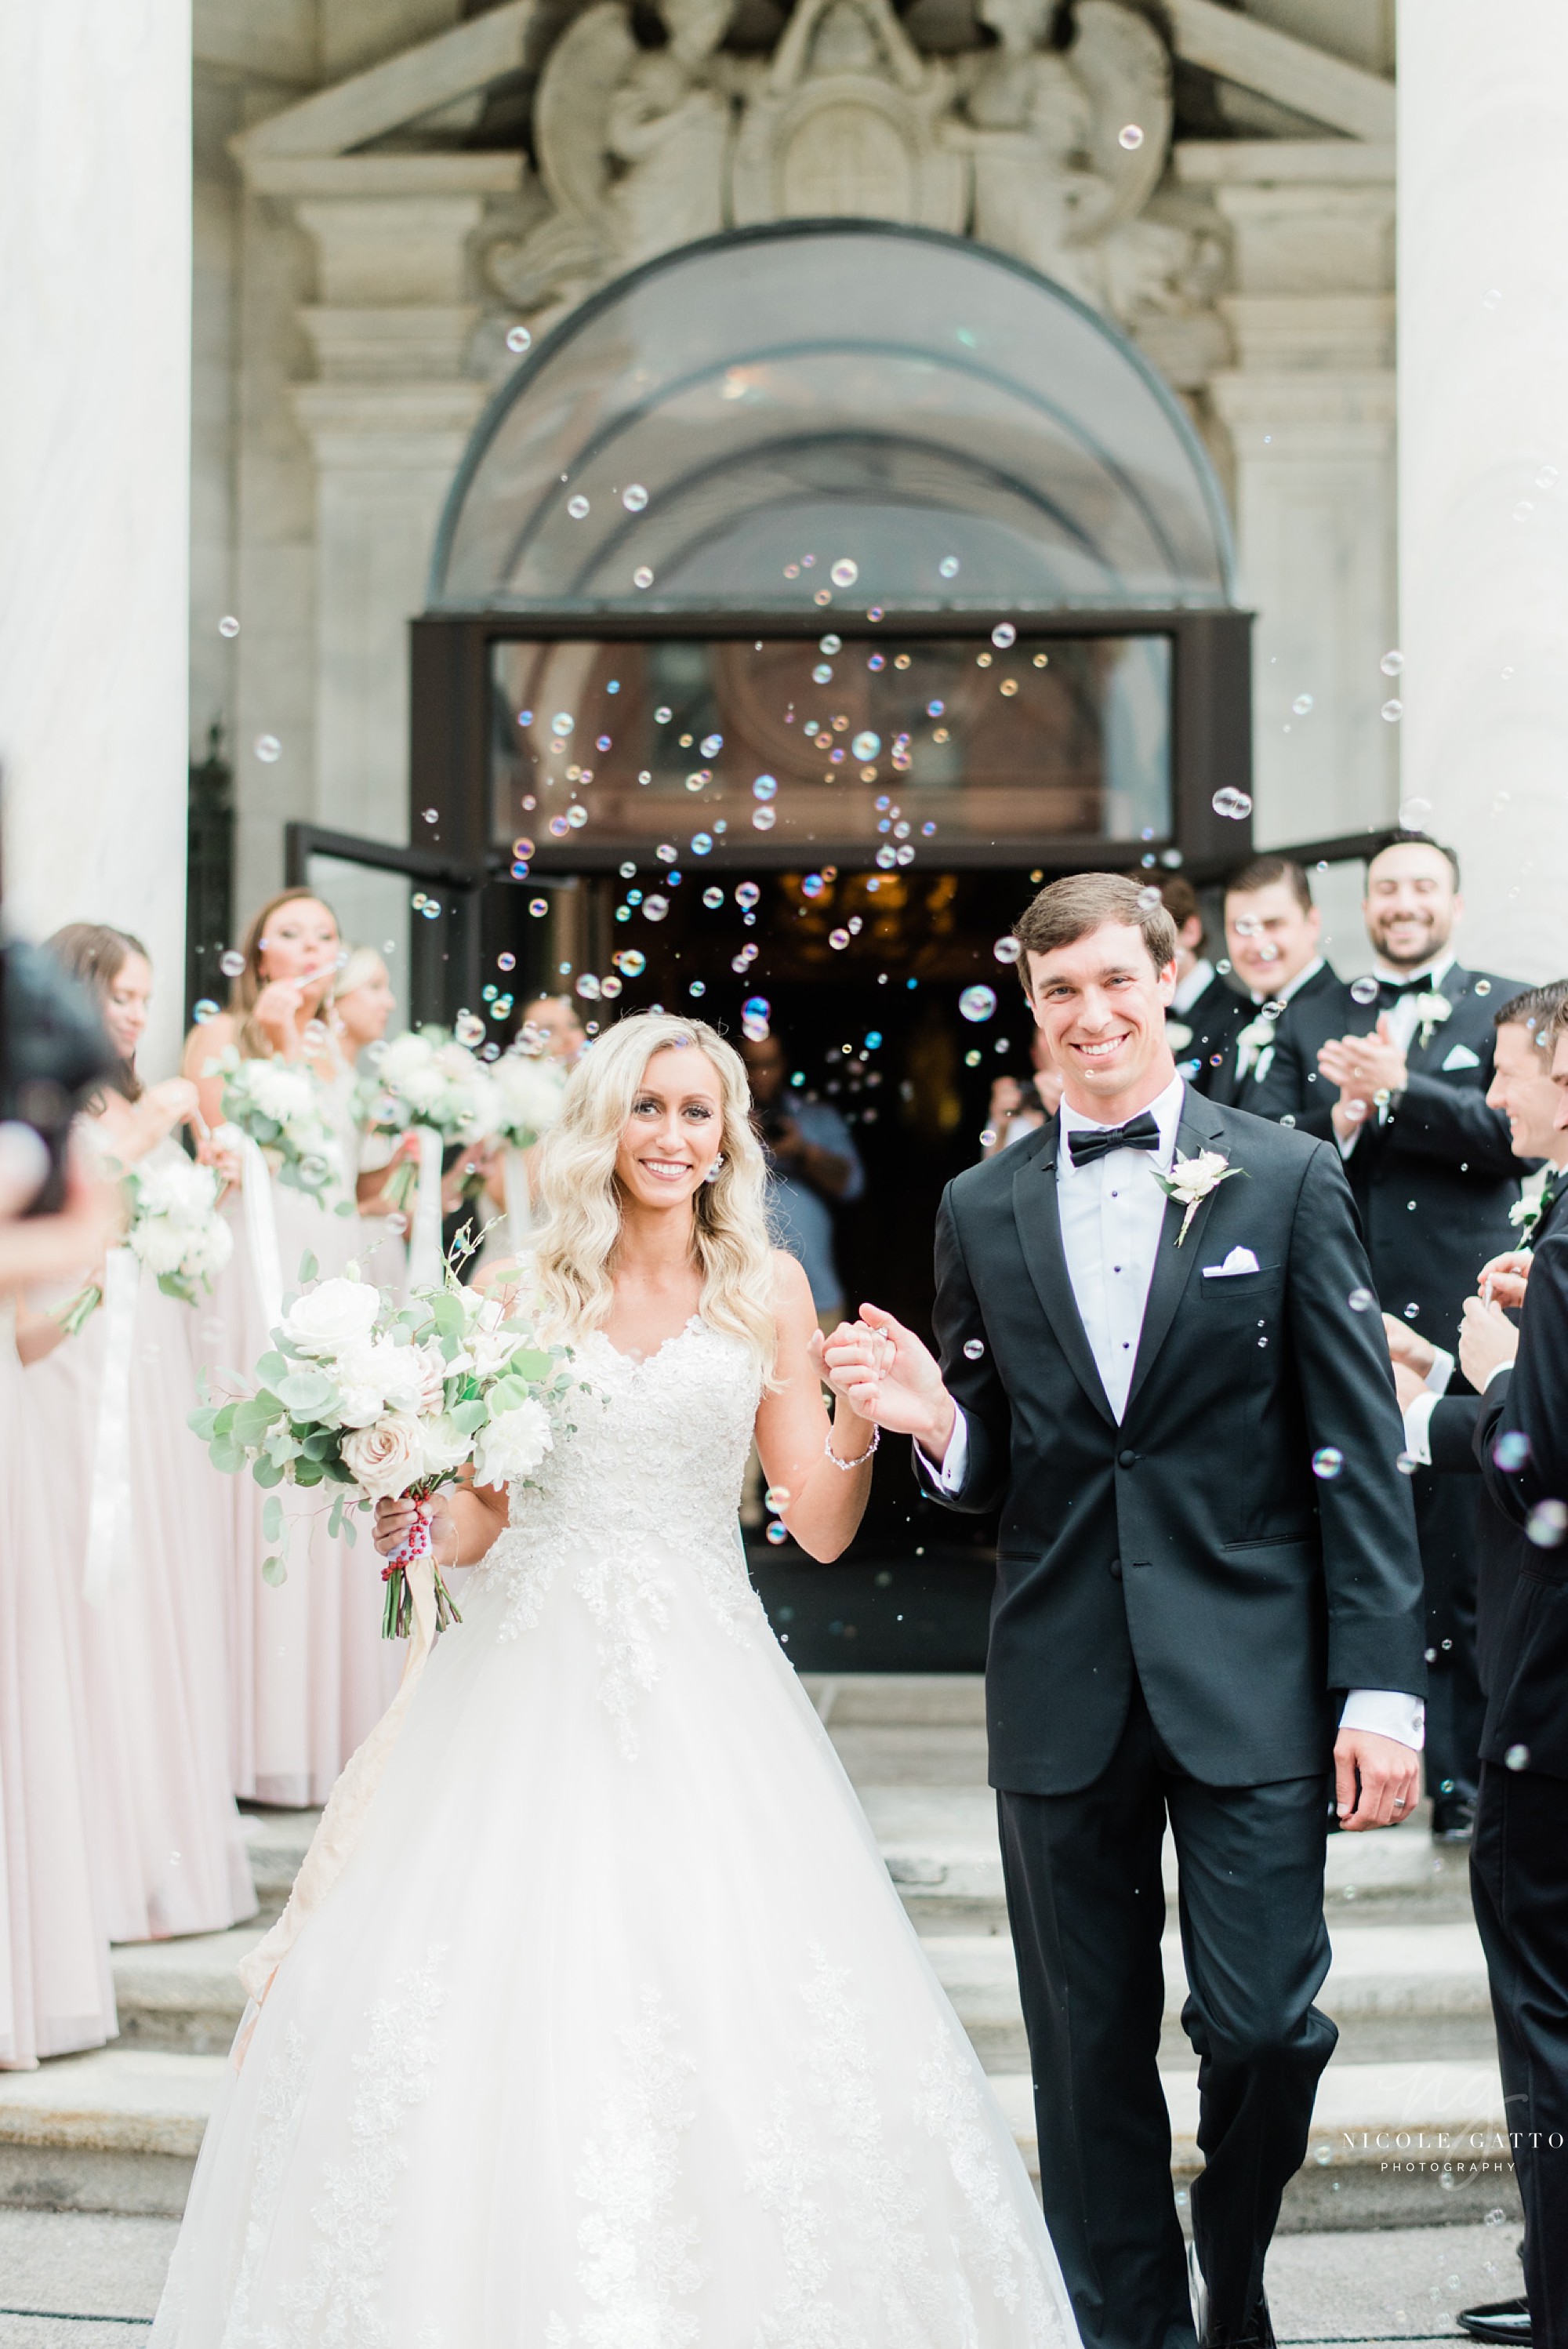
1403, 1020
1254, 1045
1190, 988
1418, 1412
1112, 1214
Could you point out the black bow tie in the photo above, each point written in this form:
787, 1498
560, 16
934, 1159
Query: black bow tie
1088, 1141
1392, 988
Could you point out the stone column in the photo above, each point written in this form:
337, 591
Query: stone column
95, 458
1483, 461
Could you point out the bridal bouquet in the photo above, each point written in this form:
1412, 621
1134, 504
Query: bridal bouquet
277, 1105
427, 1078
174, 1230
388, 1401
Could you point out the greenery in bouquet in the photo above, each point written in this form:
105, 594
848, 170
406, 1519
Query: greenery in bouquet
528, 1088
277, 1105
173, 1230
425, 1077
386, 1401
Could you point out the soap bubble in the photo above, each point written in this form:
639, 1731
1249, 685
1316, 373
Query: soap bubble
887, 858
866, 745
561, 723
204, 1011
577, 815
1546, 1524
776, 1497
517, 340
699, 781
1364, 990
765, 787
948, 566
711, 745
935, 708
973, 1348
1327, 1463
1130, 136
1235, 805
977, 1003
838, 940
642, 576
539, 907
634, 497
468, 1028
269, 750
1406, 1463
1512, 1450
588, 985
1004, 634
822, 673
577, 507
523, 848
1391, 712
777, 1531
1391, 664
844, 573
228, 626
655, 908
814, 886
763, 819
1303, 705
713, 900
632, 961
1516, 1758
609, 987
232, 962
701, 843
756, 1007
1006, 950
830, 644
1361, 1300
667, 851
747, 896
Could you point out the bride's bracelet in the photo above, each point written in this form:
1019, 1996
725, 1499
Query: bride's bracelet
846, 1466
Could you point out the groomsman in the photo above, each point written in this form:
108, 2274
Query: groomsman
1273, 930
1204, 1014
1395, 1070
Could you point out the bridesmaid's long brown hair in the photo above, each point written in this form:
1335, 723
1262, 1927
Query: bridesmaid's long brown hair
97, 955
253, 1043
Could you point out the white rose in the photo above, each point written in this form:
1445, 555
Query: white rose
278, 1092
159, 1244
386, 1459
513, 1445
209, 1249
530, 1092
333, 1315
446, 1446
491, 1349
1193, 1179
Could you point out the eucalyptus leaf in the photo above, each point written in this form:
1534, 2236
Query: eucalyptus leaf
203, 1421
266, 1472
306, 1393
272, 1519
274, 1571
468, 1416
308, 1268
229, 1458
272, 1368
307, 1471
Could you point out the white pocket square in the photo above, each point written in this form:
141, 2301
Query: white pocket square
1240, 1259
1461, 1057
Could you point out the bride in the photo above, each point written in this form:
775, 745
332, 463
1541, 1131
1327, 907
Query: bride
613, 2033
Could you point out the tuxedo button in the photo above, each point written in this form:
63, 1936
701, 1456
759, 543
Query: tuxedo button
1116, 1569
1127, 1459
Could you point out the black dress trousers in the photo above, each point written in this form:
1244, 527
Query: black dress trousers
1088, 1910
1519, 1880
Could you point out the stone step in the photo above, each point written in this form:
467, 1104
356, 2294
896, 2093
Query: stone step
1398, 1993
277, 1842
120, 2129
183, 1994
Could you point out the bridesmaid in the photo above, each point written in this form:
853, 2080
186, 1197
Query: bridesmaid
153, 1641
307, 1675
362, 1003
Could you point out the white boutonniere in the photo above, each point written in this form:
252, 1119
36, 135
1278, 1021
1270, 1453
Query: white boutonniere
1190, 1180
1255, 1042
1524, 1215
1431, 1011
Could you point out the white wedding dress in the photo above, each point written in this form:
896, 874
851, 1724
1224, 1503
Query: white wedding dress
613, 2034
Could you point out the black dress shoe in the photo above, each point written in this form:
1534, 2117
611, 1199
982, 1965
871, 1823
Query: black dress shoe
1453, 1819
1498, 2320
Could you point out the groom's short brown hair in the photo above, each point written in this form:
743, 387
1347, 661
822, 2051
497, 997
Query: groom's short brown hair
1070, 909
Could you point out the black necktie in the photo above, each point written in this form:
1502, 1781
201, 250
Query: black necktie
1089, 1142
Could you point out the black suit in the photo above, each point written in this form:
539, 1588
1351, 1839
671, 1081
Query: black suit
1212, 1022
1519, 1861
1178, 1599
1433, 1183
1227, 1082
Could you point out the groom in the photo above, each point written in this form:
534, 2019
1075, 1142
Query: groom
1172, 1378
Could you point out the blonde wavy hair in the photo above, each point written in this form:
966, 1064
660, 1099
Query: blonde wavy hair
573, 1253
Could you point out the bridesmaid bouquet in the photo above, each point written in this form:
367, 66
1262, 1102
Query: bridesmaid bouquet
391, 1401
277, 1105
425, 1078
529, 1086
174, 1230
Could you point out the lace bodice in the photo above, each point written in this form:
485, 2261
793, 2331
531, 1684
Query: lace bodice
643, 1496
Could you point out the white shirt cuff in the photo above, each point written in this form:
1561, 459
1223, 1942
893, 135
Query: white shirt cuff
1387, 1712
1419, 1429
950, 1475
1348, 1141
1441, 1371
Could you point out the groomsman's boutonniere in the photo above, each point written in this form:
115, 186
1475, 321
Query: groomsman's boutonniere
1255, 1043
1190, 1180
1524, 1215
1431, 1011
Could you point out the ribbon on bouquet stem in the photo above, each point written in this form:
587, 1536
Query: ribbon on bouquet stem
108, 1509
425, 1231
342, 1821
519, 1201
262, 1232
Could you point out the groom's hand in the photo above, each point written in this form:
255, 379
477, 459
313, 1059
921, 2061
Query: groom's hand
885, 1373
1377, 1780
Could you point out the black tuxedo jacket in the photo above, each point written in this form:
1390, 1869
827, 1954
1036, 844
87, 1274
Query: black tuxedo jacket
1193, 1543
1434, 1182
1213, 1024
1527, 1701
1501, 1546
1227, 1084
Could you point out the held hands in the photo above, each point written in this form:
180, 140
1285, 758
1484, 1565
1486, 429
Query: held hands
1376, 1780
1487, 1341
1408, 1347
1504, 1279
886, 1374
1363, 1067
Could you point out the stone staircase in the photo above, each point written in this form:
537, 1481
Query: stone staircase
1408, 2115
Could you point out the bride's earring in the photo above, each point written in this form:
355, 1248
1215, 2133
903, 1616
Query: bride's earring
715, 1170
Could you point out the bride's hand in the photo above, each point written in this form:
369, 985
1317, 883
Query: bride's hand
395, 1521
886, 1374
